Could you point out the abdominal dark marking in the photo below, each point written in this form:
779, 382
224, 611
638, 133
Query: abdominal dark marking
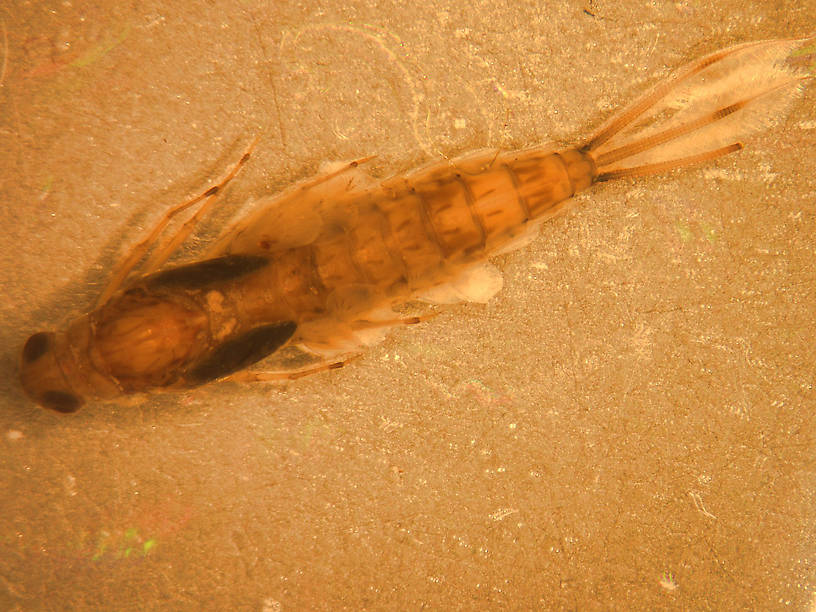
242, 351
203, 273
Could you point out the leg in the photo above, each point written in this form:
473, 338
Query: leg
380, 323
127, 265
293, 217
278, 375
163, 252
325, 363
328, 338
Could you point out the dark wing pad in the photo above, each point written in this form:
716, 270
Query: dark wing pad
242, 351
208, 272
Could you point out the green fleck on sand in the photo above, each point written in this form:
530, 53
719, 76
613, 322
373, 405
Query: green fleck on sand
684, 230
101, 49
709, 231
805, 51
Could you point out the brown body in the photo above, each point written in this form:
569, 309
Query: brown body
321, 266
380, 246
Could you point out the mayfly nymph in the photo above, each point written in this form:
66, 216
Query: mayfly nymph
321, 266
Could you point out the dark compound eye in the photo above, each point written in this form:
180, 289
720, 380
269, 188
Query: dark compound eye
60, 401
36, 346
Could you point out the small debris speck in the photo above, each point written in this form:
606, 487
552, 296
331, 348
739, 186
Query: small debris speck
667, 581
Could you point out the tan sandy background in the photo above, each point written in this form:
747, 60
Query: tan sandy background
628, 425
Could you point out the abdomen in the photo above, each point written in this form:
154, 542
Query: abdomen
413, 232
